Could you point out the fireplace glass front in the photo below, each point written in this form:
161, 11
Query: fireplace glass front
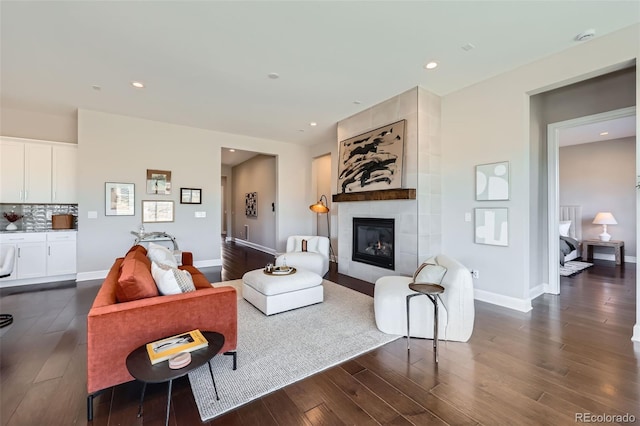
373, 241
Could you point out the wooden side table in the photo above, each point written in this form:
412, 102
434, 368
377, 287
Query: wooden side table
618, 246
433, 292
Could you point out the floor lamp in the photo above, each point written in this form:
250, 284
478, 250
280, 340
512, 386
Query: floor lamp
321, 207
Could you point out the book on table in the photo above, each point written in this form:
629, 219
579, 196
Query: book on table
163, 349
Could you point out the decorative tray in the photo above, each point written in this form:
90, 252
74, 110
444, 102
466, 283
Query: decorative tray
281, 270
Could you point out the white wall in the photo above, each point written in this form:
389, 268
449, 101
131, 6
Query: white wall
600, 176
257, 174
114, 148
39, 125
489, 122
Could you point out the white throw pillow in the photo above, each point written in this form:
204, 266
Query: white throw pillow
429, 273
564, 228
171, 280
162, 255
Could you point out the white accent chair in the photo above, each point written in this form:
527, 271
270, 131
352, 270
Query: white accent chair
315, 259
455, 321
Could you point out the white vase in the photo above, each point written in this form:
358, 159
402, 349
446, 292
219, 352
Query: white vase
11, 227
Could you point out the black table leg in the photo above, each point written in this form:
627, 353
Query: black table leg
144, 387
168, 403
214, 381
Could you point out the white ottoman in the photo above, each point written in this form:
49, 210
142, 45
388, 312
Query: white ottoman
278, 293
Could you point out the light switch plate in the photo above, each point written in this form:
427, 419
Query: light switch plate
200, 214
92, 215
467, 217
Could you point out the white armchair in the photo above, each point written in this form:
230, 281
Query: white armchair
455, 321
315, 259
7, 260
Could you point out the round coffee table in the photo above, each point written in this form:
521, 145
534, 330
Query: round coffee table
432, 291
141, 369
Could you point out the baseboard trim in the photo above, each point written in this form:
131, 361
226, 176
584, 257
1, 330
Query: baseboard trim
636, 333
254, 245
537, 290
522, 305
92, 275
100, 275
38, 280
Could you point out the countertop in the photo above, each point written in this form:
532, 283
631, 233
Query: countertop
22, 231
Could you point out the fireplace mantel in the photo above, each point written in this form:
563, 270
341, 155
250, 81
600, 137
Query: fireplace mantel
385, 194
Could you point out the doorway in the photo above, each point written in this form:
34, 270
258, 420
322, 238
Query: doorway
554, 137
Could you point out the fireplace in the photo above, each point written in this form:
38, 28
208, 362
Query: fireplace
373, 242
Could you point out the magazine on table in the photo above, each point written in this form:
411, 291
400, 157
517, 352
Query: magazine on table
162, 350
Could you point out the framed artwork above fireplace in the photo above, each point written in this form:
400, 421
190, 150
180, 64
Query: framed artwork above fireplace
372, 161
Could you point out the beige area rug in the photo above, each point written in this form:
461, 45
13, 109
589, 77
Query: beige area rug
281, 349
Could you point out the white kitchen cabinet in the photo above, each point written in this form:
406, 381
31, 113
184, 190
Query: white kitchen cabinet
41, 257
61, 253
37, 171
64, 165
31, 250
11, 171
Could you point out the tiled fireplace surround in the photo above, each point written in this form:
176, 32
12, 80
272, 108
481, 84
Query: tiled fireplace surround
418, 224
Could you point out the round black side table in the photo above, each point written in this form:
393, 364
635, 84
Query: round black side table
141, 369
432, 291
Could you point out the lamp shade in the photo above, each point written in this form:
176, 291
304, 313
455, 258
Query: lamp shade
605, 218
319, 207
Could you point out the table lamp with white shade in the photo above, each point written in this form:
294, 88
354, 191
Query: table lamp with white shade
604, 219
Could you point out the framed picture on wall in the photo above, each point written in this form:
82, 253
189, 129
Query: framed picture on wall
190, 196
492, 226
119, 199
492, 181
158, 182
157, 211
251, 204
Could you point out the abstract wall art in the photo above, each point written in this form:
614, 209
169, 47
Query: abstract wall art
373, 160
251, 204
492, 226
492, 181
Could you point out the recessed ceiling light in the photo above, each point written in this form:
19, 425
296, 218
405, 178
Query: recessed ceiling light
357, 102
301, 130
96, 87
137, 84
313, 124
232, 150
273, 75
604, 133
431, 65
469, 46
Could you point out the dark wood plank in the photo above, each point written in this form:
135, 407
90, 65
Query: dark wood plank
572, 353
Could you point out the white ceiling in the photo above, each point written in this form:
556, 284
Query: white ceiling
615, 129
205, 63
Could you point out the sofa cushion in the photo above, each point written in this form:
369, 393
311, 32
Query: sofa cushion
161, 254
135, 281
171, 280
199, 280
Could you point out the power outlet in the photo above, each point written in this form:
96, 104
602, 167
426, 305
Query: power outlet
475, 273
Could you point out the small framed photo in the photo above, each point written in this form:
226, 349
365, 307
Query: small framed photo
158, 182
119, 199
190, 196
157, 211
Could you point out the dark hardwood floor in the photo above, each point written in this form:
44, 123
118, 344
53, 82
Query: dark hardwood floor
571, 354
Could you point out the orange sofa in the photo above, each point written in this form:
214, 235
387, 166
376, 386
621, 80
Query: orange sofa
115, 329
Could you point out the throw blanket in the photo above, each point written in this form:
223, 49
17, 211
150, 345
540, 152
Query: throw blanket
567, 245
